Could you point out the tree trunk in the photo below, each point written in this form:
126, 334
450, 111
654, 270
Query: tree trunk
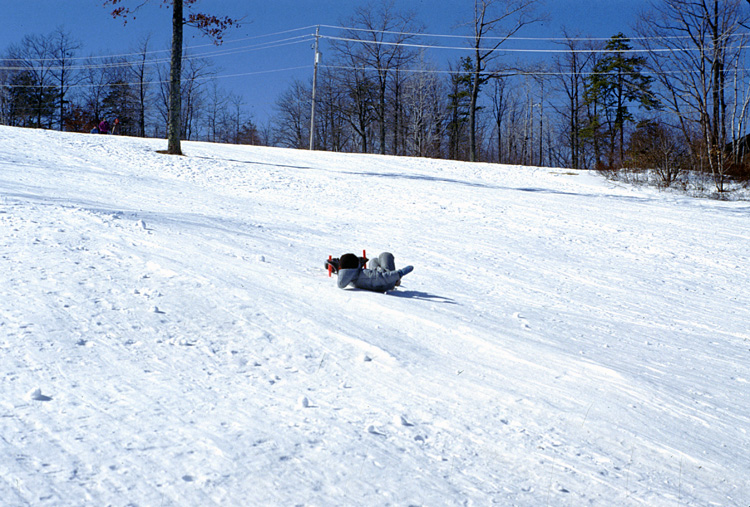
381, 112
173, 129
473, 107
142, 92
716, 145
62, 98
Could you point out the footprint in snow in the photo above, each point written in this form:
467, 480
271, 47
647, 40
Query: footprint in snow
524, 323
37, 395
373, 430
304, 402
400, 420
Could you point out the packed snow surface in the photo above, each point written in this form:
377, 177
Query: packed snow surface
169, 335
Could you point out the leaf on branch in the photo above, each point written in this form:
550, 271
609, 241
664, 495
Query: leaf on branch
213, 26
123, 12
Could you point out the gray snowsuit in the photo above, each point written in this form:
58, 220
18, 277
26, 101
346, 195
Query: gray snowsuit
381, 277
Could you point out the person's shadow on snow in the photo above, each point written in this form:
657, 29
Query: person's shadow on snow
415, 294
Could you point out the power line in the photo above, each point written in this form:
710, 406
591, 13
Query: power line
515, 38
515, 73
507, 73
310, 37
283, 32
155, 61
519, 50
156, 51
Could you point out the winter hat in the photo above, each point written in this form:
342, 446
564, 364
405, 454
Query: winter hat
349, 261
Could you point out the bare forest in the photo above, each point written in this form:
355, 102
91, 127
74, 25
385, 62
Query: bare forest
664, 102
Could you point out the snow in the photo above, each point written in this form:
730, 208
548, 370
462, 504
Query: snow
169, 335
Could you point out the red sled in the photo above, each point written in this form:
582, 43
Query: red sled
332, 264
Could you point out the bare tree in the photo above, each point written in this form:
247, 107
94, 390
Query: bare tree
423, 114
195, 75
499, 111
32, 82
495, 21
571, 70
140, 70
196, 72
656, 146
457, 113
64, 48
96, 79
5, 96
332, 132
293, 120
236, 117
702, 50
360, 114
376, 45
217, 102
210, 25
119, 100
514, 129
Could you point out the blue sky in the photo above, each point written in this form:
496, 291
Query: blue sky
260, 75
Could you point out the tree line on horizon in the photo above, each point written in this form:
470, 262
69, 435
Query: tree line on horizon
44, 85
677, 102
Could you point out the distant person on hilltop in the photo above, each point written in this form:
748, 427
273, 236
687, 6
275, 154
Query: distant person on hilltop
382, 275
104, 127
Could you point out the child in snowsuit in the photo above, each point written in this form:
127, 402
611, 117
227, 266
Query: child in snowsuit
382, 275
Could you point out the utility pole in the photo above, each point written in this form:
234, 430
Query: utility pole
314, 85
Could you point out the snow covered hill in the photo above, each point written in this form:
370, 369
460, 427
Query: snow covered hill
168, 335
